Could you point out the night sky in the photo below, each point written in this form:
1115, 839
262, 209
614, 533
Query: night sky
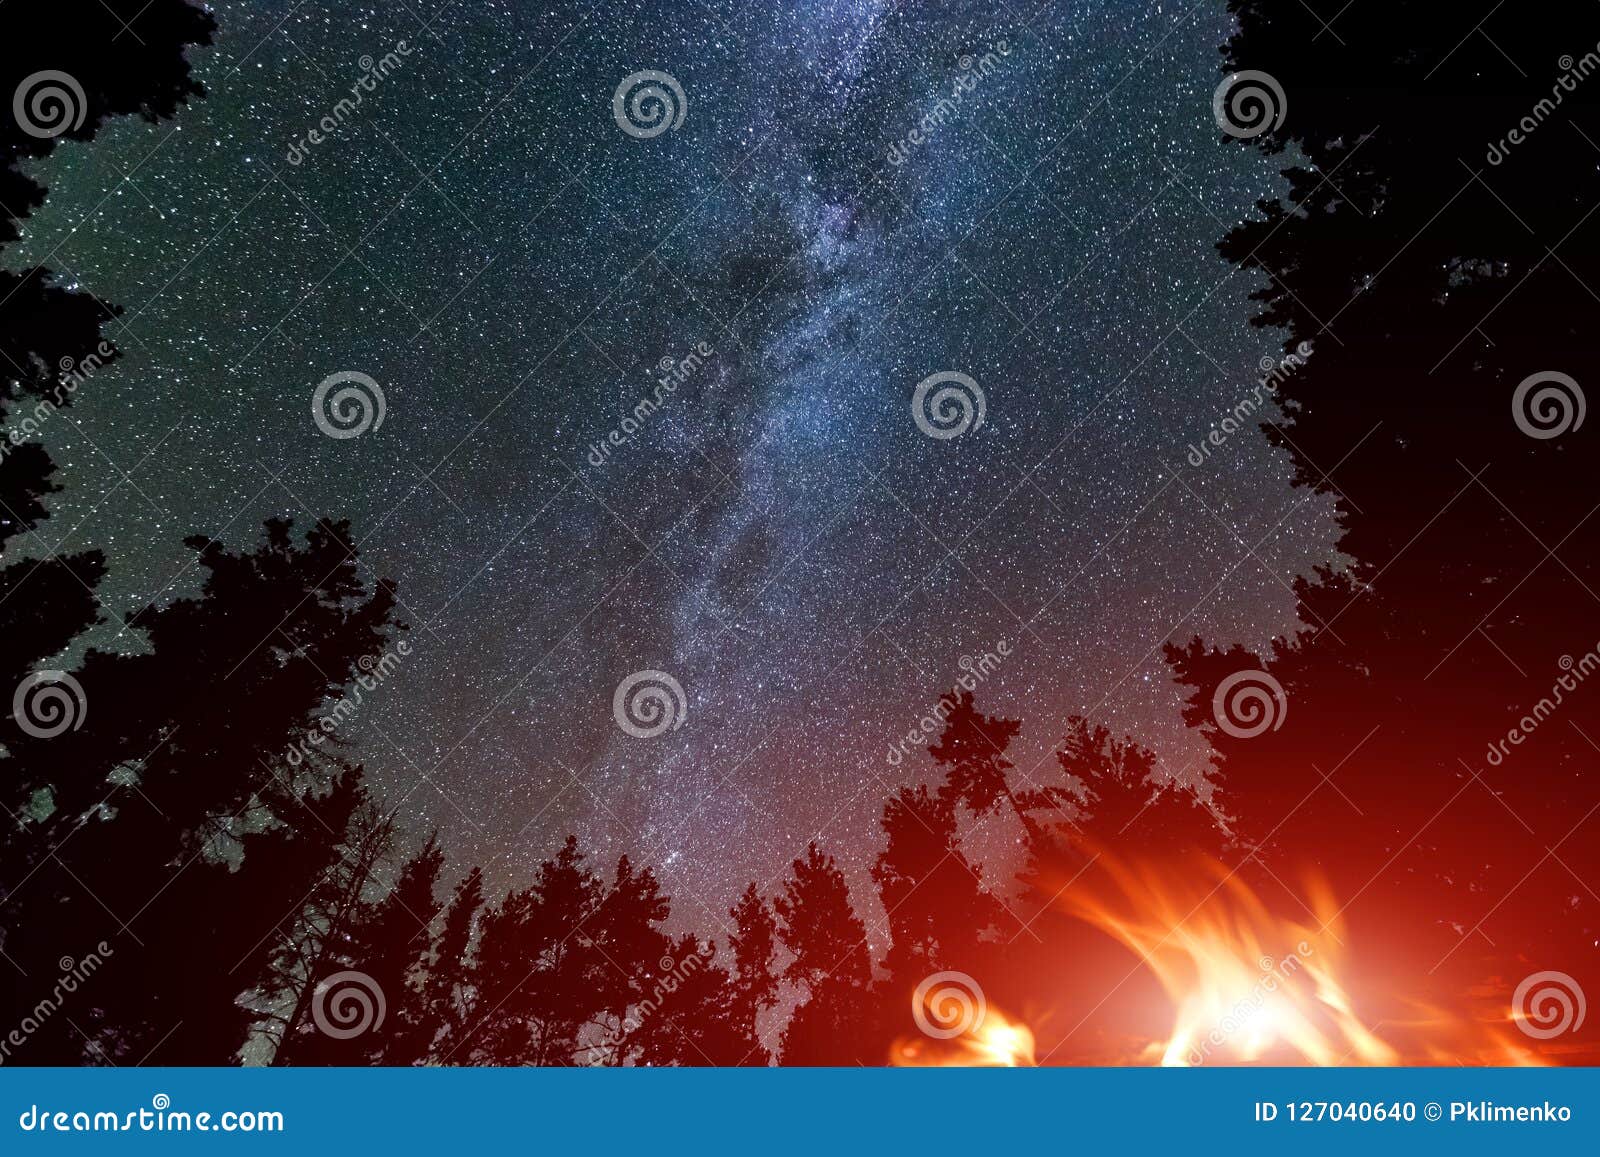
484, 240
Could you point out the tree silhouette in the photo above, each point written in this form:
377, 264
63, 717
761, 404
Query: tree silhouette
754, 984
687, 1017
152, 807
972, 752
446, 981
831, 965
1434, 247
50, 337
940, 909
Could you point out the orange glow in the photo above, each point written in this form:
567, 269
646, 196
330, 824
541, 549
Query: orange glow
1249, 986
993, 1042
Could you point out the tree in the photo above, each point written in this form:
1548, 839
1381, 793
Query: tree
831, 965
754, 985
446, 980
940, 909
152, 807
686, 1016
972, 751
1433, 249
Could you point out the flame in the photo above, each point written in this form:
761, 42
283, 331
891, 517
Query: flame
995, 1041
1250, 986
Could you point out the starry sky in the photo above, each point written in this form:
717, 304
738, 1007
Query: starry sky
483, 239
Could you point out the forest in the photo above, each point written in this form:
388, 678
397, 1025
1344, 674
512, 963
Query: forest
1410, 773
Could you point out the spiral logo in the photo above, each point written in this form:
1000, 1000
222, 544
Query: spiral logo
648, 703
647, 104
347, 1004
161, 1102
66, 964
1266, 964
365, 63
1248, 104
48, 703
1548, 1004
48, 104
1547, 405
1267, 364
352, 410
948, 1004
1565, 662
1564, 62
665, 365
1248, 703
667, 963
953, 409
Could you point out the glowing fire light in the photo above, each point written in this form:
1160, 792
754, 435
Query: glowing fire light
1248, 986
980, 1037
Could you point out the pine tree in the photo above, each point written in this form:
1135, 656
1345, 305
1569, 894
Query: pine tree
154, 804
447, 980
831, 965
753, 985
939, 907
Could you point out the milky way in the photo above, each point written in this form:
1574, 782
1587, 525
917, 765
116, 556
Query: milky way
486, 240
